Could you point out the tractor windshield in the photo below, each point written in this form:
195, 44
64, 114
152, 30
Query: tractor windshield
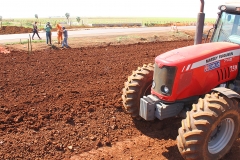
227, 29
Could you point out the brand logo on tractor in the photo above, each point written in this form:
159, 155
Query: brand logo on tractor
211, 59
225, 55
212, 66
221, 56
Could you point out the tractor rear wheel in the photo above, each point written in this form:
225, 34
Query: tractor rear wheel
138, 85
210, 128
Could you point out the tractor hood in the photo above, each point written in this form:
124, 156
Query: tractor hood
207, 52
202, 66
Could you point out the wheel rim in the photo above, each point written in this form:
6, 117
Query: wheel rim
221, 135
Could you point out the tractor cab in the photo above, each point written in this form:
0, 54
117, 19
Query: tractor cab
227, 27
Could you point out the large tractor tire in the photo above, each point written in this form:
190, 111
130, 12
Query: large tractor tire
210, 128
138, 85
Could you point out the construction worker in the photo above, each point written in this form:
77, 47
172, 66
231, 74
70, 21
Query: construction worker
35, 30
48, 29
65, 38
59, 34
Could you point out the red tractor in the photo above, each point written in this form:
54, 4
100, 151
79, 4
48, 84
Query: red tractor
199, 82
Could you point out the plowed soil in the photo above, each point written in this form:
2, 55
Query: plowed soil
66, 104
14, 30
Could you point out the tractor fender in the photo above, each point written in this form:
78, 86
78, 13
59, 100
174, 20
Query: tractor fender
227, 92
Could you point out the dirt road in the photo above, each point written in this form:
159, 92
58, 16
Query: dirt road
90, 32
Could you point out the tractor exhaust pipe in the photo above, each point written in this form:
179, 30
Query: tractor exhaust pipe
200, 25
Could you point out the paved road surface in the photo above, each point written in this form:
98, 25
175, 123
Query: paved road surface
93, 32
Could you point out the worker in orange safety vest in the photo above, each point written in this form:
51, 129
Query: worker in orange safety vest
59, 33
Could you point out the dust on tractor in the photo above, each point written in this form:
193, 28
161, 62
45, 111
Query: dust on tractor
200, 83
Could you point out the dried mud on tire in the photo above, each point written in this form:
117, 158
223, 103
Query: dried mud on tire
64, 104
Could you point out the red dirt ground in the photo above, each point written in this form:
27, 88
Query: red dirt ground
4, 50
14, 30
66, 104
17, 30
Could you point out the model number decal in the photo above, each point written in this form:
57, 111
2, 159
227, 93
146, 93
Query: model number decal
233, 68
227, 59
212, 66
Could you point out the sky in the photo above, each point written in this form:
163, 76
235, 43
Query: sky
107, 8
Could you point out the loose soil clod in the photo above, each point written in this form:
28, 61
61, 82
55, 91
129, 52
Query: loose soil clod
4, 50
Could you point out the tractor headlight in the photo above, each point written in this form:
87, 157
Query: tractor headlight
223, 8
165, 89
153, 84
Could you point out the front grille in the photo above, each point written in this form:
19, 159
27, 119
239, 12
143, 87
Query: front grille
163, 76
223, 73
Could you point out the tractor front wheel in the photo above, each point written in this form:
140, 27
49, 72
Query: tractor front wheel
138, 85
210, 128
